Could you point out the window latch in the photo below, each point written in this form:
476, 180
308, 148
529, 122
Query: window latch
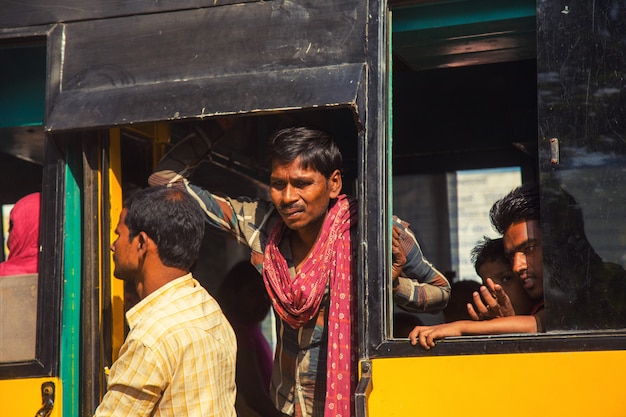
47, 399
554, 151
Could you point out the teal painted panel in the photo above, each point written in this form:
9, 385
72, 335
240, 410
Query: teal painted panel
22, 86
455, 13
70, 330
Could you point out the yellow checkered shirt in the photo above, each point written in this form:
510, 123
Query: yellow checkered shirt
178, 358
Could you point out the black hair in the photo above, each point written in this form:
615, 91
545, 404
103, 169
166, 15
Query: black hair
521, 204
487, 250
172, 219
317, 149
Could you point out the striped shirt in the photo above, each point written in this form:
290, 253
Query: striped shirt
178, 359
298, 385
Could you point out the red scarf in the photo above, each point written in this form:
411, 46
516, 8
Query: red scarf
297, 300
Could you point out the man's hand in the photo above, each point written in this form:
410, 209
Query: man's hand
492, 302
397, 254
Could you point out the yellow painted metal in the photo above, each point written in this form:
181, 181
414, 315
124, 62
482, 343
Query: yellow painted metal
158, 132
567, 384
22, 397
115, 199
161, 139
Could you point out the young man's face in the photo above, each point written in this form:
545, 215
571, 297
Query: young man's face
302, 195
500, 272
522, 244
124, 251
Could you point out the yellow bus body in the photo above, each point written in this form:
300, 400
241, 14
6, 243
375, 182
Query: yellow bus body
22, 397
567, 384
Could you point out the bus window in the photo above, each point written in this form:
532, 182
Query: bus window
238, 167
22, 86
584, 248
455, 122
458, 148
20, 261
581, 108
18, 298
466, 197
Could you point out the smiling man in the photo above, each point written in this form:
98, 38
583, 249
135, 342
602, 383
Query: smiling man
302, 242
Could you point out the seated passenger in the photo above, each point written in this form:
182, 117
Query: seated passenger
23, 240
516, 216
494, 268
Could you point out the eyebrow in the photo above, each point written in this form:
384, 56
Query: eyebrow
305, 177
519, 247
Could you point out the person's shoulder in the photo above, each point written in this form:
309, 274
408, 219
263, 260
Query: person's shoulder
186, 308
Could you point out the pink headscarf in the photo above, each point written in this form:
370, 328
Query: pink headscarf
23, 241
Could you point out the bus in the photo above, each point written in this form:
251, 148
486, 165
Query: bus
439, 107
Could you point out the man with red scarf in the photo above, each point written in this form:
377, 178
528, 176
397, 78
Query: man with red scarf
301, 241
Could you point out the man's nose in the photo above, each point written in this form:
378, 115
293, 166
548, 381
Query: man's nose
289, 194
519, 262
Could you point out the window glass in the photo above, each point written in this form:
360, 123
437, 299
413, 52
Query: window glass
471, 194
22, 99
18, 298
19, 265
449, 213
460, 206
582, 109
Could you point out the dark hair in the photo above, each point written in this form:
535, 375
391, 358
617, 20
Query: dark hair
487, 250
316, 148
172, 219
521, 204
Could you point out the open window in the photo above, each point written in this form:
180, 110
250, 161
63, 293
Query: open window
482, 102
29, 281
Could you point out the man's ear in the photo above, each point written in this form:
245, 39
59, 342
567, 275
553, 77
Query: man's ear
142, 241
335, 183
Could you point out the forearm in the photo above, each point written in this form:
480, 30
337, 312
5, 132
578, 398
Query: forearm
427, 335
499, 325
420, 286
219, 212
240, 218
411, 295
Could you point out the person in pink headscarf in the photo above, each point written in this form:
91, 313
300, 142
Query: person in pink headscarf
23, 240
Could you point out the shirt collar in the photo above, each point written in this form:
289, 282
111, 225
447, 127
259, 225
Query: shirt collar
137, 311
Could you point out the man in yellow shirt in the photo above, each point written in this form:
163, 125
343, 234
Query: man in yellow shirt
180, 353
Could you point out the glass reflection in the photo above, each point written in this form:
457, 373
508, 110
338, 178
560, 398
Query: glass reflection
582, 105
19, 279
583, 291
